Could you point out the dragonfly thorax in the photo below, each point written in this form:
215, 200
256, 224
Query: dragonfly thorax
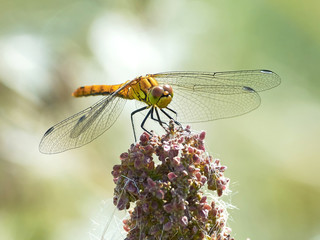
160, 96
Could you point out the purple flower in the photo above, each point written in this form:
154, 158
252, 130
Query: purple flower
168, 196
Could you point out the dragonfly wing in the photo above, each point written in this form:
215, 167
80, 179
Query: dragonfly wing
198, 106
82, 127
204, 96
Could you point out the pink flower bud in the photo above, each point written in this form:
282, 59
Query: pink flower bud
202, 135
171, 176
184, 221
167, 226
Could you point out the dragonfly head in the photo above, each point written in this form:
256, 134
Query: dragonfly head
161, 96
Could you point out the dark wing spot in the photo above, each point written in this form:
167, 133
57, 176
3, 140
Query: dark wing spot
48, 131
248, 89
266, 71
81, 119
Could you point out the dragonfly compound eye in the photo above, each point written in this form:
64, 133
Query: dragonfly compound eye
155, 94
167, 88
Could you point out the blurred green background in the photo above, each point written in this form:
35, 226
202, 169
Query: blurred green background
49, 48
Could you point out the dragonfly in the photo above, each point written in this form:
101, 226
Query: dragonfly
186, 97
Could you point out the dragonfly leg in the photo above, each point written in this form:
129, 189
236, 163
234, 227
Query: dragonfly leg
158, 118
171, 110
134, 112
171, 118
145, 119
176, 116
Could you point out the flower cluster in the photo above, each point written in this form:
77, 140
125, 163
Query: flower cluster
169, 202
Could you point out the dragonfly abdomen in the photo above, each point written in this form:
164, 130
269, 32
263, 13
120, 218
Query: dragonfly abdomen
94, 90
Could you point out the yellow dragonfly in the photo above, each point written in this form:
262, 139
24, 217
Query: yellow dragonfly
188, 96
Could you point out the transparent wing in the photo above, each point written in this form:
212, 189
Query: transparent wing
205, 96
82, 127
